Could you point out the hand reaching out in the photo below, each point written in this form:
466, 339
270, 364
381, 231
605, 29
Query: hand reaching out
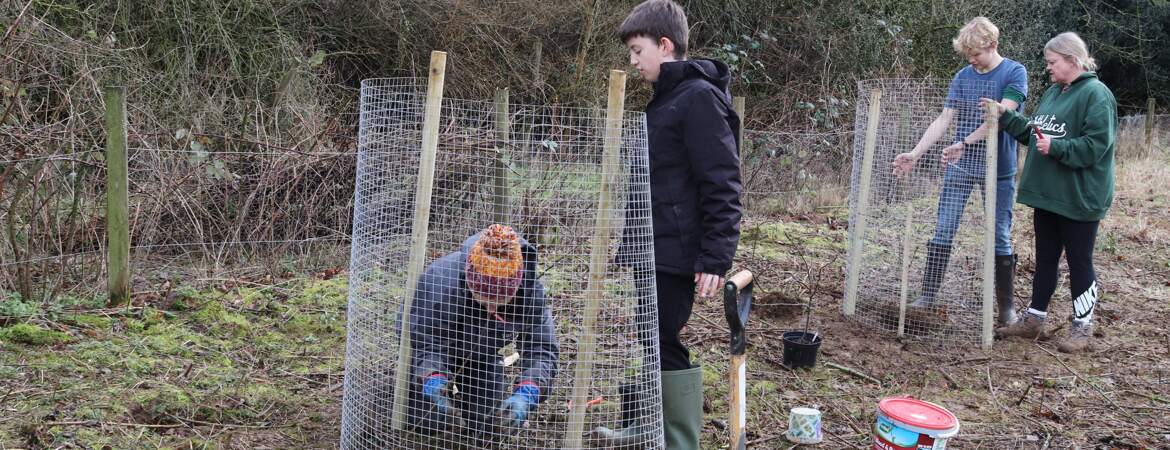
904, 164
953, 153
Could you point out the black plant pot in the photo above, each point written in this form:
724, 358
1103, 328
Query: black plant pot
800, 349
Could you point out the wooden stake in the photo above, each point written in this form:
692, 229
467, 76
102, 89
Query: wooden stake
117, 196
420, 229
537, 80
990, 177
906, 248
857, 231
598, 259
739, 105
1150, 118
500, 202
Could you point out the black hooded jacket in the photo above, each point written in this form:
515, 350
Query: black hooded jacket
695, 184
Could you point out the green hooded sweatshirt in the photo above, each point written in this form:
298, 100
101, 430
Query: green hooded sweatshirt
1075, 179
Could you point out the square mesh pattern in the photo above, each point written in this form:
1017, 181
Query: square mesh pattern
920, 243
540, 171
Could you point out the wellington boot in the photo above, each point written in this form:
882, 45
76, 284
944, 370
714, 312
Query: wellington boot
682, 408
1005, 277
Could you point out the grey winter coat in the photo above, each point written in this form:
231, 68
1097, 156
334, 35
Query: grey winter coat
449, 328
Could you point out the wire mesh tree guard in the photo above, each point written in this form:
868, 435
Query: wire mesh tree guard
574, 185
921, 247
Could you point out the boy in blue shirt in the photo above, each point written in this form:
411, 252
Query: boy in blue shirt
987, 75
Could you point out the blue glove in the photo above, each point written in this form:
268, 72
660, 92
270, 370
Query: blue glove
514, 410
433, 392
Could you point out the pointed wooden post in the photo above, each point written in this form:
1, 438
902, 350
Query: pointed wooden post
598, 259
420, 229
990, 178
739, 105
1150, 118
857, 230
117, 196
500, 201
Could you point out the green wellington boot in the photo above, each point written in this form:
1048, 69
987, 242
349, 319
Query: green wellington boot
682, 408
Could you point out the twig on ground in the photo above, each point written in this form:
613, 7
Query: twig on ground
855, 373
947, 375
93, 423
764, 439
1024, 395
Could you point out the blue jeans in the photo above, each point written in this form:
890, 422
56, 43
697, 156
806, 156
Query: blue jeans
957, 186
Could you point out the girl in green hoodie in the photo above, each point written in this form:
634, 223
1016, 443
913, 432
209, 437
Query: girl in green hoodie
1068, 180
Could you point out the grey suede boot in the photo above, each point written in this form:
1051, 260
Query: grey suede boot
1078, 337
1005, 277
1029, 326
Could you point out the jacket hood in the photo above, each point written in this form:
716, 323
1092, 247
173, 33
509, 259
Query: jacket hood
672, 73
1084, 76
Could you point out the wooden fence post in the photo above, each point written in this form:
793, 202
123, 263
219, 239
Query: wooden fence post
990, 178
500, 202
857, 230
598, 259
537, 80
1150, 119
117, 196
739, 104
420, 229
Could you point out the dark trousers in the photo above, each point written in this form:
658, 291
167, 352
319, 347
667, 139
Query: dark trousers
1056, 234
676, 296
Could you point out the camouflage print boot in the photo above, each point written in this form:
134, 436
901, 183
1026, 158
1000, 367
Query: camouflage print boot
1078, 337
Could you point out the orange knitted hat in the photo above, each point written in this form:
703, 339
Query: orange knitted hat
493, 264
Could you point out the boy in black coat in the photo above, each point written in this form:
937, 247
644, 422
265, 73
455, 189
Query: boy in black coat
695, 193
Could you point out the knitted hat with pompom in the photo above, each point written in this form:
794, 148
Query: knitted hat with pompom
493, 265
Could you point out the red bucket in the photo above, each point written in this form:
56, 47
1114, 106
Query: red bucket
905, 423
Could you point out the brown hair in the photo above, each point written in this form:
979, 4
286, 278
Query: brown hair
657, 19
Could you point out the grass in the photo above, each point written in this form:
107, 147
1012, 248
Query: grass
253, 365
188, 375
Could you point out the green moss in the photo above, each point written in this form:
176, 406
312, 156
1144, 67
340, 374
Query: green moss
133, 325
99, 353
29, 334
171, 344
763, 387
215, 317
331, 293
158, 405
88, 321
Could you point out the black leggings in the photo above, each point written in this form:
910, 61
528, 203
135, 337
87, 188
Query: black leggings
1056, 234
676, 296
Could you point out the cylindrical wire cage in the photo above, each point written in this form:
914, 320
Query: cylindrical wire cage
538, 170
920, 236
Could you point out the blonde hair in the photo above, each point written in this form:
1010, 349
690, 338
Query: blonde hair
1070, 45
977, 34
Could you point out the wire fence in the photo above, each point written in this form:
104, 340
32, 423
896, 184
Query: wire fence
1138, 136
218, 202
530, 292
197, 200
919, 234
